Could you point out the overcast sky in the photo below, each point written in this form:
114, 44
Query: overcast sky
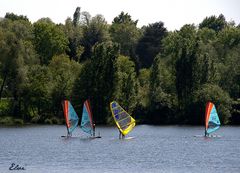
174, 13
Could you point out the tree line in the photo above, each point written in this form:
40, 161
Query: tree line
158, 76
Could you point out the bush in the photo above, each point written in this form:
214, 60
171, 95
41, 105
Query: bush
18, 122
235, 119
48, 121
35, 119
55, 120
4, 107
7, 121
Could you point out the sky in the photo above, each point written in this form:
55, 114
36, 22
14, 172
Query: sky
174, 13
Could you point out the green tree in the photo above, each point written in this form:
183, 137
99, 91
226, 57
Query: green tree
126, 84
151, 43
64, 73
76, 16
74, 35
49, 40
97, 80
213, 22
37, 93
162, 94
215, 94
17, 54
95, 31
13, 17
124, 31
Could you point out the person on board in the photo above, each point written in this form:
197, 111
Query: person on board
206, 134
93, 130
121, 135
69, 134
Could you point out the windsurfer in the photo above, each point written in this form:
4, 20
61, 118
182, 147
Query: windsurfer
121, 135
69, 134
93, 130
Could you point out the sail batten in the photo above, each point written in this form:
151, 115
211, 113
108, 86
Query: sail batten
123, 120
212, 122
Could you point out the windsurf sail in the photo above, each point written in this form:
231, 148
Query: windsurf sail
87, 123
212, 122
123, 120
70, 116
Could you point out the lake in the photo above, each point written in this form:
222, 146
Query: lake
170, 149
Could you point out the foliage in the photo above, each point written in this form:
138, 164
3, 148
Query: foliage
43, 63
49, 40
213, 22
215, 94
64, 73
13, 17
151, 43
162, 95
125, 32
126, 84
97, 80
74, 34
96, 31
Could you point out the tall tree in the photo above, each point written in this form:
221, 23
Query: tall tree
94, 32
76, 16
124, 31
126, 83
74, 34
97, 80
162, 94
151, 43
17, 54
64, 73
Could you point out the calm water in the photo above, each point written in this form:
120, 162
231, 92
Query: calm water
153, 149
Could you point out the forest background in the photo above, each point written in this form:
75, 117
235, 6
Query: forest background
158, 76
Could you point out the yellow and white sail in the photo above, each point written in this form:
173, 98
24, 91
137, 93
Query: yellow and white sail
123, 120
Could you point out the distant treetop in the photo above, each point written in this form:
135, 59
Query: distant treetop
124, 18
13, 17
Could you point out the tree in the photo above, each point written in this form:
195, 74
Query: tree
124, 31
161, 93
215, 94
74, 35
17, 54
230, 72
94, 32
213, 22
49, 40
124, 18
126, 84
13, 17
76, 16
97, 80
37, 93
64, 73
151, 43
